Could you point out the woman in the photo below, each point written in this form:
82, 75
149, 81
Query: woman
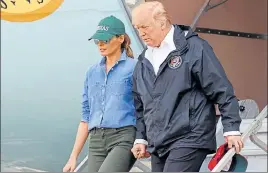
108, 118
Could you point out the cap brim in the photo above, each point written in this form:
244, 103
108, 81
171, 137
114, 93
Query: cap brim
101, 36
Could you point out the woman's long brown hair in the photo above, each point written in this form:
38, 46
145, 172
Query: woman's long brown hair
126, 45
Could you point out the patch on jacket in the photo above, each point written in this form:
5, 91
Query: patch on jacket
175, 62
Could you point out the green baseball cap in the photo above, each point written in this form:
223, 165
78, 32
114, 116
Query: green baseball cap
109, 27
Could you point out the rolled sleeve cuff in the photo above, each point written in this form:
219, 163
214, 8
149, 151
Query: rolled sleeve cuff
84, 120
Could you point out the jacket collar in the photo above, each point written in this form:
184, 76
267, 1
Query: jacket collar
180, 40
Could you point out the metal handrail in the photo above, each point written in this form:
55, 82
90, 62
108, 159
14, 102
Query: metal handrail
205, 7
142, 166
210, 6
81, 165
248, 132
258, 142
199, 14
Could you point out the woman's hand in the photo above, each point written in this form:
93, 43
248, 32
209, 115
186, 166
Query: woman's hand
70, 165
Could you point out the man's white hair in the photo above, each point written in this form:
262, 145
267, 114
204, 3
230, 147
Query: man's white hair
155, 9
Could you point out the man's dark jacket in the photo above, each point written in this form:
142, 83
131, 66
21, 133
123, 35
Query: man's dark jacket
175, 108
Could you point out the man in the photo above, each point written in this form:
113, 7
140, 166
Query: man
176, 83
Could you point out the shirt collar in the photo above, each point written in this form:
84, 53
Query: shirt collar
122, 58
168, 40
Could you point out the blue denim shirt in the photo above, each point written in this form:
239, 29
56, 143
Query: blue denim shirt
107, 98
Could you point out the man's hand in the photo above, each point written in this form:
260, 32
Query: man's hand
235, 141
139, 151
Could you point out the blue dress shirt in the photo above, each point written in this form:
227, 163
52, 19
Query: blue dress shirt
107, 98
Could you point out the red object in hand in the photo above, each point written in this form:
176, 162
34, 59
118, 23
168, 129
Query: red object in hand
217, 157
